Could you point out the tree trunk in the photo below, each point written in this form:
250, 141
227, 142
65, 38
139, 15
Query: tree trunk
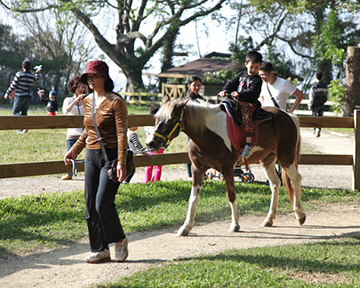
168, 51
134, 80
352, 81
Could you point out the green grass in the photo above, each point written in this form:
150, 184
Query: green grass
49, 220
333, 263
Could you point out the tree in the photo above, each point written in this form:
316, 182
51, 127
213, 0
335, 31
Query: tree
317, 32
60, 46
11, 56
128, 46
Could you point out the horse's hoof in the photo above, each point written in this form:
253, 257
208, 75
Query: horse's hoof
302, 219
234, 228
183, 231
267, 223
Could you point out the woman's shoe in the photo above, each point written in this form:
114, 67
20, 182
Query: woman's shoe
97, 257
121, 250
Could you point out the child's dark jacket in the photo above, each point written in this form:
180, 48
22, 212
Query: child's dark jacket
52, 106
248, 86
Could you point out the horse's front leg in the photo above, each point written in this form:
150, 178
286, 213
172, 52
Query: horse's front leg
197, 180
274, 183
231, 196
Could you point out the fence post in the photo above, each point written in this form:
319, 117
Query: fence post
356, 157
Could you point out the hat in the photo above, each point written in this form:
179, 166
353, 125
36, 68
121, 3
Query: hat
95, 67
53, 93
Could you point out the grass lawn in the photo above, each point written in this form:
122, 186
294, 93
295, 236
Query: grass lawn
32, 223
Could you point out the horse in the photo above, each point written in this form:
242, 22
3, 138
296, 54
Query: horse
210, 147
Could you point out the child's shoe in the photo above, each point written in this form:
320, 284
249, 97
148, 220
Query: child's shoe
66, 177
246, 151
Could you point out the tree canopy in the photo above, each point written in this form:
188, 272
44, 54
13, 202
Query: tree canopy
129, 32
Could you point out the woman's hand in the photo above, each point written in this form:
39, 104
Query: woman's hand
80, 98
121, 172
70, 155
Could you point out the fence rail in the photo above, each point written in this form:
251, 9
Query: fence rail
58, 122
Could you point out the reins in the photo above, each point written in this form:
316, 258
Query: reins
165, 139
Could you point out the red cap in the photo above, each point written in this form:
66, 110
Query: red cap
95, 67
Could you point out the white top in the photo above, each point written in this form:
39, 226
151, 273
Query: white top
76, 110
280, 90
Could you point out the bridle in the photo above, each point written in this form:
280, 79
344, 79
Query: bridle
165, 139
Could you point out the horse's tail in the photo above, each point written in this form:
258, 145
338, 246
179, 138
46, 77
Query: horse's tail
285, 178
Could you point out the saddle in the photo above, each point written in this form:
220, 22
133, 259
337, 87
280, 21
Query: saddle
231, 107
235, 127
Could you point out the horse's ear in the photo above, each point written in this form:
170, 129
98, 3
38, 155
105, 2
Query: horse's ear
182, 104
166, 99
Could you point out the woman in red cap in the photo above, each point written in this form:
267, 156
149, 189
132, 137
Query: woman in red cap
111, 117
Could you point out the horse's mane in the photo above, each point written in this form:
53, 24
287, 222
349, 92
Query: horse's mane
195, 114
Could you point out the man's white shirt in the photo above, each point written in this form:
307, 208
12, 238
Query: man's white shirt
280, 90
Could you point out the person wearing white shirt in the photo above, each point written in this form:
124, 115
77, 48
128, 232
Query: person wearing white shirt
275, 90
74, 106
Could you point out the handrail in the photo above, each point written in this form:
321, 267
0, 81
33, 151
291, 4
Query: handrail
62, 121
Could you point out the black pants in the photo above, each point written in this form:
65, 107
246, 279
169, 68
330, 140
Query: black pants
103, 221
318, 111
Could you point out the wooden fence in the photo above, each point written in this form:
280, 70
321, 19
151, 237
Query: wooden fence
61, 121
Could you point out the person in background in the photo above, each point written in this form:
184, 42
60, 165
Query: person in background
74, 106
22, 84
193, 94
245, 88
317, 98
135, 146
194, 89
52, 105
149, 169
275, 90
112, 120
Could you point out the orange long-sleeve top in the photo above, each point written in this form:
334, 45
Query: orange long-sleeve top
112, 120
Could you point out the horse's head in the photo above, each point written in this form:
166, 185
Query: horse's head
167, 124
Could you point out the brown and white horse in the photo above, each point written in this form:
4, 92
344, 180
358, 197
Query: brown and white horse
210, 147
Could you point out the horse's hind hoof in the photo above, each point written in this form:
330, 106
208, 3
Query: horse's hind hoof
301, 220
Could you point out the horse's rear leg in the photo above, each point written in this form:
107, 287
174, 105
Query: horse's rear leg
274, 183
198, 178
295, 178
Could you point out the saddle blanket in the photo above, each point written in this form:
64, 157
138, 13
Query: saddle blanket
236, 134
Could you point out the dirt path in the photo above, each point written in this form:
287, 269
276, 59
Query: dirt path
65, 267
